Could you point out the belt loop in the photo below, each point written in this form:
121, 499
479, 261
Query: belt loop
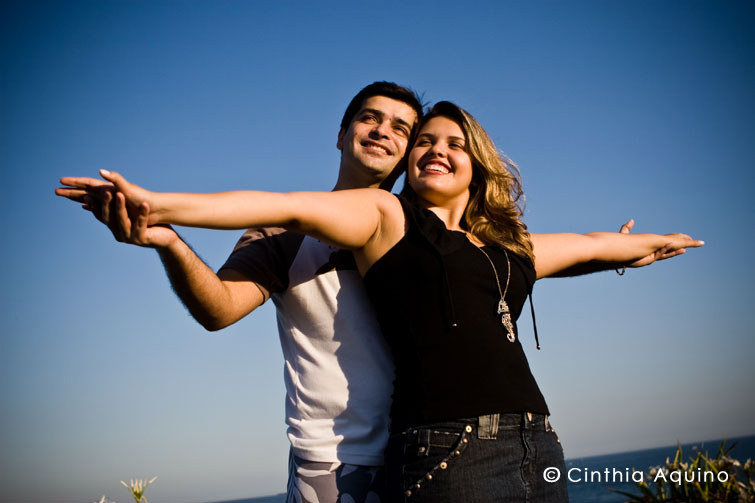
527, 421
423, 442
487, 426
547, 424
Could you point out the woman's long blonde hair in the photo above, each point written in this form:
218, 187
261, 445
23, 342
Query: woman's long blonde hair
496, 201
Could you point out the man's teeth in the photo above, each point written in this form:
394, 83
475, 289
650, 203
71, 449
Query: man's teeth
376, 147
436, 168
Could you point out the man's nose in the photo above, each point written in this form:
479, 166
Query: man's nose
381, 129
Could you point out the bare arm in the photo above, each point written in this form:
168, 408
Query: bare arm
595, 266
555, 253
367, 220
215, 301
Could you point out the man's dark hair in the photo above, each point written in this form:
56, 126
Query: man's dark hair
387, 89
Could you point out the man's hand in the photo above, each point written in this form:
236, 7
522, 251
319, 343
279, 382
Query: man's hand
128, 224
668, 251
133, 228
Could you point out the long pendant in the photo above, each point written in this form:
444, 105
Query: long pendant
503, 310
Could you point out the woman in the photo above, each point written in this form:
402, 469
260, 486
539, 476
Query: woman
448, 268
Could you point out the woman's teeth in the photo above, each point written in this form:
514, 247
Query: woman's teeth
436, 168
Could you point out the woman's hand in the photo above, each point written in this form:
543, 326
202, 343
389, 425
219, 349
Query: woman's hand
93, 193
667, 251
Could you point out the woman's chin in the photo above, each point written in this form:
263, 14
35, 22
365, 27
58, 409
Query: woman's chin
440, 196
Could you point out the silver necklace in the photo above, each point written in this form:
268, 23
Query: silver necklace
503, 308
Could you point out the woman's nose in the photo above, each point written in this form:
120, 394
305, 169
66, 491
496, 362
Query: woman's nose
438, 150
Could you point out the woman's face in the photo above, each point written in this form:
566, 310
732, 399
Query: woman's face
440, 170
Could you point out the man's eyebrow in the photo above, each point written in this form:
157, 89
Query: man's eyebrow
371, 111
381, 114
402, 122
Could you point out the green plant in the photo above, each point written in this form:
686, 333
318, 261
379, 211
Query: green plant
701, 479
137, 488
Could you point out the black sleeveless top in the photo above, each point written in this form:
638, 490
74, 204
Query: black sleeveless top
436, 299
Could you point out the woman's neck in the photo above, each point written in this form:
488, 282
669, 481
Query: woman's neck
450, 212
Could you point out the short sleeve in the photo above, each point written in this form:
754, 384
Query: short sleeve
265, 255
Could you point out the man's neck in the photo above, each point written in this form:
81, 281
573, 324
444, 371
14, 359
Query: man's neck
347, 180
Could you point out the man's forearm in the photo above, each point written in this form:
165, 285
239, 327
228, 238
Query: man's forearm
198, 287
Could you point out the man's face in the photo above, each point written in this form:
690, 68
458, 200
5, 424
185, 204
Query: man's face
378, 135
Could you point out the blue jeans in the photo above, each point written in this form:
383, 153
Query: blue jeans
498, 457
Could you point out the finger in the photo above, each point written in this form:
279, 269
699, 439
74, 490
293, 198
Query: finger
627, 227
672, 253
76, 195
122, 216
141, 223
84, 182
688, 242
107, 199
93, 206
115, 178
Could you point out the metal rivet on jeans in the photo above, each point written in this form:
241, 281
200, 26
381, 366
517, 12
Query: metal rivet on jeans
468, 429
422, 449
418, 486
443, 465
457, 453
408, 493
464, 440
429, 476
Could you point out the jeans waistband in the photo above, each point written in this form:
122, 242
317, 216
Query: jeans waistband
486, 426
489, 425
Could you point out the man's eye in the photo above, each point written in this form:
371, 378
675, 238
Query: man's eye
368, 118
401, 130
423, 141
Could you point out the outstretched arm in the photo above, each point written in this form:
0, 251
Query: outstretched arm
596, 266
214, 300
556, 253
364, 219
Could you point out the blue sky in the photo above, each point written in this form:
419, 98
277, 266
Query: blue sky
611, 109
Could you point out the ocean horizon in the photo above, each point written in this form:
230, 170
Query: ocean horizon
616, 470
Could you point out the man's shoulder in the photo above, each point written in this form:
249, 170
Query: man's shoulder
264, 255
268, 233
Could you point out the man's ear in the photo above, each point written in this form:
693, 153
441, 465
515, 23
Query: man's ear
339, 143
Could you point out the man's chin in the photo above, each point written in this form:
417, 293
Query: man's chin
382, 167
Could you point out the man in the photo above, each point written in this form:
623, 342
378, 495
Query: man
338, 372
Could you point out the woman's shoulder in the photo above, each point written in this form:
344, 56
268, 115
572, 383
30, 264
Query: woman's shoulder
523, 261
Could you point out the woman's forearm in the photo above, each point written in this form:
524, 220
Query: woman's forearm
225, 210
555, 253
618, 247
346, 218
